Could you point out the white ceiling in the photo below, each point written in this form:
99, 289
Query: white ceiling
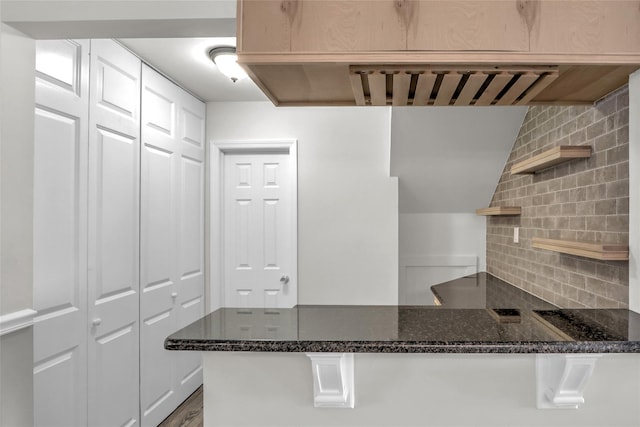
173, 36
185, 61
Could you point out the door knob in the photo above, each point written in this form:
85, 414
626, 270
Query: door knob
96, 322
174, 295
284, 279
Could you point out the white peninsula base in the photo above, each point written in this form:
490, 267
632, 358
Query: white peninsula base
277, 389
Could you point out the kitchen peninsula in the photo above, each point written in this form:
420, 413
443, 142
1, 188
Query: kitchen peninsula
252, 360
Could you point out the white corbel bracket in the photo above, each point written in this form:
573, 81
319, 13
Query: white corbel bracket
561, 379
332, 380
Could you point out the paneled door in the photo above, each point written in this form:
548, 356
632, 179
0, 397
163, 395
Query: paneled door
113, 224
259, 230
172, 241
60, 233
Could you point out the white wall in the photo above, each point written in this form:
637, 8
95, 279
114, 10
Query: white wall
17, 66
347, 203
268, 389
435, 248
450, 159
16, 378
634, 192
17, 97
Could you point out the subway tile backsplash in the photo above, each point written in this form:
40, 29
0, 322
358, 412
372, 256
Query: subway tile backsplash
584, 199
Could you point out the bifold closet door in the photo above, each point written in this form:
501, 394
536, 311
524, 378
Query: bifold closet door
91, 353
172, 241
113, 224
60, 233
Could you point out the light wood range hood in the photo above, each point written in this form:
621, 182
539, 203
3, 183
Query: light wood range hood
438, 52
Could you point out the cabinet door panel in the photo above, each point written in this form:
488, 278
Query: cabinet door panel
349, 26
468, 25
587, 27
266, 25
323, 26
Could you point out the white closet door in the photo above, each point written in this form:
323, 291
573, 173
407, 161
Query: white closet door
191, 137
60, 233
159, 247
113, 292
172, 233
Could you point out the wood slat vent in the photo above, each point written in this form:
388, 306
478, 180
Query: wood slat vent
402, 85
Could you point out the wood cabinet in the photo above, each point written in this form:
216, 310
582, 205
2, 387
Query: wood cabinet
467, 26
382, 25
322, 26
348, 26
603, 27
302, 52
266, 26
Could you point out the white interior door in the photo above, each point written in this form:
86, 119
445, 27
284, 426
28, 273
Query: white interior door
259, 230
60, 233
172, 241
113, 297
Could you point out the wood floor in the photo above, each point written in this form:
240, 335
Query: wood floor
189, 414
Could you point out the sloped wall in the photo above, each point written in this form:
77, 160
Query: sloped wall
580, 200
448, 161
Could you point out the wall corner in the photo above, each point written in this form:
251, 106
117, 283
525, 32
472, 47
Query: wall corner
634, 190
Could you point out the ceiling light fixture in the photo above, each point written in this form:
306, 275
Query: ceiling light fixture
226, 59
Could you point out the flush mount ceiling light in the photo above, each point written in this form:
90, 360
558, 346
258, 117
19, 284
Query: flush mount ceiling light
226, 59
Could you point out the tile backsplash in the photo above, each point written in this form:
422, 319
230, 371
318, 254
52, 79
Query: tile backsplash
584, 200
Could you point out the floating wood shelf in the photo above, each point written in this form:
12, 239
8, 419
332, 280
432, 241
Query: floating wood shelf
499, 211
552, 157
604, 252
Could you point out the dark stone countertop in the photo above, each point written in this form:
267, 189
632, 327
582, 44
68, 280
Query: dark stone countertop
479, 314
483, 290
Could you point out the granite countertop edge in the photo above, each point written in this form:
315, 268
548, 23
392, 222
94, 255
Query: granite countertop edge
480, 313
469, 347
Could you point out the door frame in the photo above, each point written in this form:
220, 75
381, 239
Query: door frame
215, 228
